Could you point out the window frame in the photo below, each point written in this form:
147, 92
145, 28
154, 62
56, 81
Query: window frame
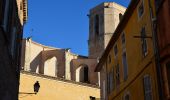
123, 40
115, 50
144, 42
145, 84
141, 4
125, 67
117, 75
127, 93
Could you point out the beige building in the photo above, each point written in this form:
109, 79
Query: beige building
62, 63
57, 62
52, 88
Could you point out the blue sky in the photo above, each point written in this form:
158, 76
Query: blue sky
62, 23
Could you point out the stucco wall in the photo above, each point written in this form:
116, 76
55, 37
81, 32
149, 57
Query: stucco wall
54, 89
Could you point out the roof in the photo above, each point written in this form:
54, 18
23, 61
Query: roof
121, 25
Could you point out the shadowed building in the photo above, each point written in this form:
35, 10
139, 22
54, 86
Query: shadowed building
13, 15
163, 34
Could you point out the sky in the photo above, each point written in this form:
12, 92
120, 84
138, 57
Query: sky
62, 23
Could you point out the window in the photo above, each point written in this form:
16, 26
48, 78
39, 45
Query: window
147, 87
96, 27
123, 39
111, 81
126, 96
125, 66
144, 42
141, 9
115, 51
117, 75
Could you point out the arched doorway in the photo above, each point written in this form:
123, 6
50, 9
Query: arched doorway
82, 74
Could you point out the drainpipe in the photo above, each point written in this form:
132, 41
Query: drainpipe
156, 52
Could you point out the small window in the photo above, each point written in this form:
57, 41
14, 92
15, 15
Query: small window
117, 75
125, 66
115, 51
141, 9
111, 81
96, 24
147, 87
126, 96
144, 42
123, 38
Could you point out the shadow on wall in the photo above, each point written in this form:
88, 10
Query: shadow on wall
82, 73
36, 63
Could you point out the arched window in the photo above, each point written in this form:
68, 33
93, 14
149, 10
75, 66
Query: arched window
96, 27
82, 74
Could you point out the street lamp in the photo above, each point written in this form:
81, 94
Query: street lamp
36, 88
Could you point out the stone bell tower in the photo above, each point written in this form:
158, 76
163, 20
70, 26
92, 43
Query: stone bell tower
103, 20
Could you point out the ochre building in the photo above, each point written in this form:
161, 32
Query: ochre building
127, 67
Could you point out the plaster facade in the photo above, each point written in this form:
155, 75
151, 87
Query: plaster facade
52, 88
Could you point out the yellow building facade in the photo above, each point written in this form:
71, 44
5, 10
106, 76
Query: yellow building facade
52, 88
127, 67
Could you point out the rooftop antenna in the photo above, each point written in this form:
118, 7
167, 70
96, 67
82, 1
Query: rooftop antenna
28, 38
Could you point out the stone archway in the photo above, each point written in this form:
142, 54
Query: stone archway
82, 74
50, 66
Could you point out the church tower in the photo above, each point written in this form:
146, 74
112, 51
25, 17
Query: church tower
103, 20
